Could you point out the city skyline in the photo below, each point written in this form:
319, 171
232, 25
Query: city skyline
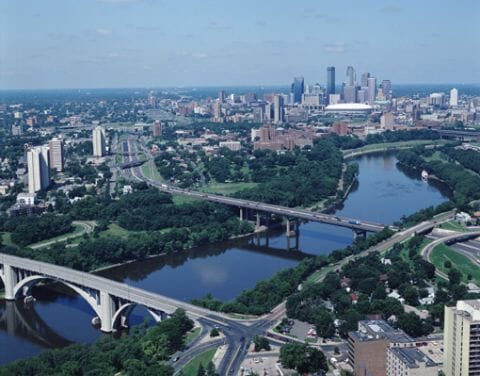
148, 43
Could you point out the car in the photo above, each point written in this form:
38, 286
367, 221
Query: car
176, 359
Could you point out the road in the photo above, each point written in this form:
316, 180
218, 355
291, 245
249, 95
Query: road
87, 227
238, 335
454, 238
352, 223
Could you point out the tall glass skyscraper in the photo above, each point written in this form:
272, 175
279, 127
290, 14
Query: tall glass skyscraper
298, 88
330, 82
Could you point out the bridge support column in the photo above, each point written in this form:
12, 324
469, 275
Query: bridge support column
359, 233
10, 281
257, 223
241, 214
107, 309
157, 315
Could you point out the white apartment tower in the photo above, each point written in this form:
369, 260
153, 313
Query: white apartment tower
99, 142
56, 154
453, 97
38, 169
462, 339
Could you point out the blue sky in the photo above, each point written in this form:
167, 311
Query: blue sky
152, 43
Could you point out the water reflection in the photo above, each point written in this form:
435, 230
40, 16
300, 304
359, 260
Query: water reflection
384, 193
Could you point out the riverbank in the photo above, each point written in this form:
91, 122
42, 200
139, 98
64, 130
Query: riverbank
393, 146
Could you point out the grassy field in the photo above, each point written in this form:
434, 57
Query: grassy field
204, 358
226, 188
116, 230
393, 145
7, 239
191, 335
78, 231
454, 226
150, 171
442, 253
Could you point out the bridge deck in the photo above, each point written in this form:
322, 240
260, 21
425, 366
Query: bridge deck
113, 288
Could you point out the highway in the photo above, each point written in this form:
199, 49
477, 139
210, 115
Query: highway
352, 223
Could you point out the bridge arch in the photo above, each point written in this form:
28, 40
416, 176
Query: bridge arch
124, 311
2, 279
34, 279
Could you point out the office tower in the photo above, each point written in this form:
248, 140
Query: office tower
362, 95
334, 99
98, 142
453, 97
364, 79
278, 109
372, 89
38, 169
298, 88
387, 89
56, 154
157, 128
351, 78
436, 99
217, 110
461, 341
268, 114
258, 114
387, 121
330, 82
349, 93
221, 96
317, 89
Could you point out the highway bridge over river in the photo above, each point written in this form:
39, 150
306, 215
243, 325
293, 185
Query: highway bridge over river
111, 301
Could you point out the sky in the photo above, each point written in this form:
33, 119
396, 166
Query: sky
162, 43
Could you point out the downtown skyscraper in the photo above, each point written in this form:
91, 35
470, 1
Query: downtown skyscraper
298, 88
330, 82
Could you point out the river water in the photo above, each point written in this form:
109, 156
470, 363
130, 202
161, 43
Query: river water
384, 194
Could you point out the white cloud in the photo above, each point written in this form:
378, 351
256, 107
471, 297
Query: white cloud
334, 48
103, 32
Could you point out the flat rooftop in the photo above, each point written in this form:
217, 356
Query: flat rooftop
412, 357
371, 330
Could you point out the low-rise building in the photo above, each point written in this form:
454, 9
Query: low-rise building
410, 361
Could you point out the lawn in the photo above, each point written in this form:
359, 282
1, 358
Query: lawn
227, 188
150, 171
393, 145
204, 358
78, 230
192, 334
453, 226
116, 230
442, 253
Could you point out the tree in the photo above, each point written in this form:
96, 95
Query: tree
454, 276
211, 369
261, 343
214, 332
201, 370
302, 358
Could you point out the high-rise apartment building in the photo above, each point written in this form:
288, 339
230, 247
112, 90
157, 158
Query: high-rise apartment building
217, 110
330, 82
98, 139
462, 339
372, 89
157, 128
38, 169
56, 157
436, 99
298, 88
221, 96
278, 112
453, 97
410, 361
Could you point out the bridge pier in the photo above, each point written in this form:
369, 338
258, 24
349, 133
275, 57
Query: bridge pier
10, 280
359, 233
241, 213
107, 311
257, 223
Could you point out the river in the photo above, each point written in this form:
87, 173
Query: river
383, 194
